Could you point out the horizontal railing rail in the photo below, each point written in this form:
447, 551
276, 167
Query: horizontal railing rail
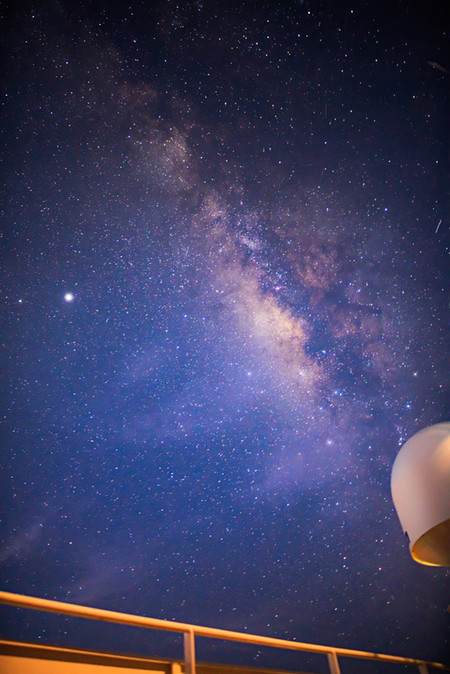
192, 631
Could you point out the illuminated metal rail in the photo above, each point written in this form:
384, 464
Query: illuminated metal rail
191, 631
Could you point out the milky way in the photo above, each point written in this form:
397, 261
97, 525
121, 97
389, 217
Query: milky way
224, 310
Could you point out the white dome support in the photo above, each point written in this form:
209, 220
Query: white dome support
420, 486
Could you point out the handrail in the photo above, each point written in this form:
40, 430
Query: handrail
192, 631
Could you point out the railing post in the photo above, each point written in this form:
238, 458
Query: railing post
333, 662
423, 669
189, 652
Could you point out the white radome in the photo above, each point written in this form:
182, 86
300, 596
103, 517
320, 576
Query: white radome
420, 486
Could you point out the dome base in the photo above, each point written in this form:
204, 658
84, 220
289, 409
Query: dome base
433, 547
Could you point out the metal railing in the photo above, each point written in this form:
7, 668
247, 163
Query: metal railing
191, 631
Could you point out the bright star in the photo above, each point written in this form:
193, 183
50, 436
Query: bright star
69, 297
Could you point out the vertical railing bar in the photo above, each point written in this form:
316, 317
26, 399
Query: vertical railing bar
423, 669
333, 662
189, 652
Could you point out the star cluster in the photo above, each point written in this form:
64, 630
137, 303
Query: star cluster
224, 309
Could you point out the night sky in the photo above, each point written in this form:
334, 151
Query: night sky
224, 309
